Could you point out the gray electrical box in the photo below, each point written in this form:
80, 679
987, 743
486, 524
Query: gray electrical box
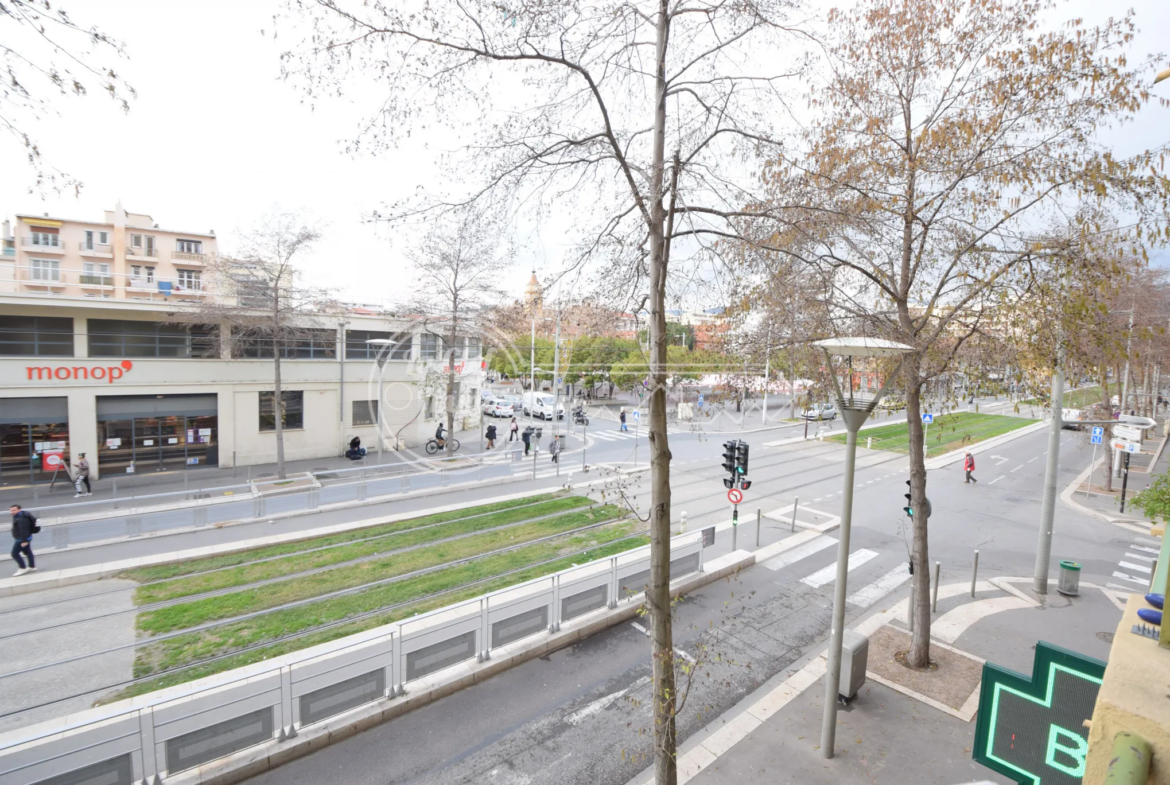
854, 656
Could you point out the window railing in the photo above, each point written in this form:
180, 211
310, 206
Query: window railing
94, 279
183, 256
146, 253
85, 245
40, 242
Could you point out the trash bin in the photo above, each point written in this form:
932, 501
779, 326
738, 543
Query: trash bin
1070, 578
539, 432
854, 657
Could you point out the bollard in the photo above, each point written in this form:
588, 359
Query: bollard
682, 526
759, 518
114, 489
734, 537
910, 609
1153, 574
1129, 763
869, 442
934, 597
795, 504
974, 572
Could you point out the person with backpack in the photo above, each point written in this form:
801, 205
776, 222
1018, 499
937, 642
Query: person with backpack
969, 467
514, 432
24, 526
491, 436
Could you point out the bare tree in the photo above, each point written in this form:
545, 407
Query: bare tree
459, 264
636, 115
50, 54
263, 310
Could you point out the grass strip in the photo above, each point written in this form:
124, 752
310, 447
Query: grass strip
165, 571
192, 614
185, 649
948, 432
412, 535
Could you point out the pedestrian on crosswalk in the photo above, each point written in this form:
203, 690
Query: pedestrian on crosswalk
622, 417
514, 431
526, 437
554, 449
491, 436
969, 466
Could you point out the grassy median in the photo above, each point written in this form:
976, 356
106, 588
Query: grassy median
184, 649
948, 432
404, 534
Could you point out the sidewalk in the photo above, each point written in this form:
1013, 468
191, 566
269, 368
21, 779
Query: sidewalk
1154, 460
893, 733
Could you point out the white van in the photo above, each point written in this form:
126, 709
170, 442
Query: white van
540, 404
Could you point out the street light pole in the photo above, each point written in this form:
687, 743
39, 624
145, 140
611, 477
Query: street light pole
854, 413
1048, 508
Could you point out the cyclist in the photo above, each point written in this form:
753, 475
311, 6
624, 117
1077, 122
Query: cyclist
440, 439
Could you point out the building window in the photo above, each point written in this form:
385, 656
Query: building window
430, 346
45, 269
189, 246
136, 241
36, 336
356, 347
127, 338
472, 347
304, 344
365, 412
103, 238
49, 239
190, 279
429, 412
150, 245
292, 410
96, 274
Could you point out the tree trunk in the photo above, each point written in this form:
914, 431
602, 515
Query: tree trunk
919, 655
1107, 406
658, 596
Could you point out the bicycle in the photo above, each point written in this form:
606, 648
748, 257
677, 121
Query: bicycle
433, 446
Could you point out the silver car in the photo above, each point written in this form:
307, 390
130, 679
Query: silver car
820, 411
497, 407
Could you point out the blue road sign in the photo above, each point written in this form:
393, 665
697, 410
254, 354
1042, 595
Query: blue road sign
1097, 438
1098, 431
700, 400
636, 415
927, 418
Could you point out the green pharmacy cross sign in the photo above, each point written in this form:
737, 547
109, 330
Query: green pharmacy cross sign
1031, 730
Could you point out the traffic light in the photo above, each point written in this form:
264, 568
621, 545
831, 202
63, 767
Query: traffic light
729, 457
908, 509
741, 458
745, 484
729, 482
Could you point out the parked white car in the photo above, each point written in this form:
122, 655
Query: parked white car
497, 407
820, 411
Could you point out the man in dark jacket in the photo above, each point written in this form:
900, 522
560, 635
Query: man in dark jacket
491, 436
526, 437
22, 532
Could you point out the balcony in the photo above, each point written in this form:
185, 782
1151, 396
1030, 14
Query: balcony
95, 280
96, 249
142, 254
39, 247
39, 278
182, 257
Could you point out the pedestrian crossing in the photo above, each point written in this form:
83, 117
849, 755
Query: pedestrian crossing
617, 436
812, 564
1136, 566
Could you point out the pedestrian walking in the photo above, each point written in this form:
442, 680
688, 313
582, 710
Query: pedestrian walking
82, 467
514, 430
24, 526
526, 437
969, 467
491, 436
622, 417
554, 449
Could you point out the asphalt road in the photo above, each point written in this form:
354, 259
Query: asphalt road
581, 715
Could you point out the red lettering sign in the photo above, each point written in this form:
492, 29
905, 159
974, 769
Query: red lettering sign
110, 373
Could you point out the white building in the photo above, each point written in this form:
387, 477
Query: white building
92, 361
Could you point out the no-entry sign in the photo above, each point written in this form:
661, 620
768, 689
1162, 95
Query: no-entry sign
1031, 729
735, 495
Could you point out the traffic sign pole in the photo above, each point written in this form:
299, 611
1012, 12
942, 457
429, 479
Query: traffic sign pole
1092, 464
1124, 482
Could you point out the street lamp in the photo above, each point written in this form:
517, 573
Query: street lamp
383, 345
854, 412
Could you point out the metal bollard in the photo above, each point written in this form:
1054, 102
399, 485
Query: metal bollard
1153, 573
795, 504
682, 526
734, 537
934, 597
974, 572
114, 489
759, 518
869, 442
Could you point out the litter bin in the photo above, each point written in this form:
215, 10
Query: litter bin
1070, 578
539, 432
854, 657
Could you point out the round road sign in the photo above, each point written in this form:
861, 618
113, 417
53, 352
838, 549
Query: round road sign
736, 495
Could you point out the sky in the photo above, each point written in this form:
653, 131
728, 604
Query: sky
215, 139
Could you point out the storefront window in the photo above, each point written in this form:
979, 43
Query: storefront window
292, 410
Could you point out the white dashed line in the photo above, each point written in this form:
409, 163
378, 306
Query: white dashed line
1018, 468
997, 479
1032, 459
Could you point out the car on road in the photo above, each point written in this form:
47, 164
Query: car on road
820, 411
541, 405
1071, 414
497, 407
486, 395
894, 403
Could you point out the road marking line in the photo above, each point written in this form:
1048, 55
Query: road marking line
1154, 551
1018, 468
1131, 579
1123, 588
951, 625
640, 628
1131, 566
1139, 556
1146, 540
818, 498
1032, 459
870, 594
603, 702
997, 479
829, 574
800, 552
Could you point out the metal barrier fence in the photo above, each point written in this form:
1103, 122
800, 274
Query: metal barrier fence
118, 518
177, 729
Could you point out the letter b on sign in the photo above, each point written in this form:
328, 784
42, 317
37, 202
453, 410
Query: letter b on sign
1066, 751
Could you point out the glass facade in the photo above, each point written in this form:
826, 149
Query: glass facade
125, 338
297, 345
36, 336
356, 347
158, 443
26, 451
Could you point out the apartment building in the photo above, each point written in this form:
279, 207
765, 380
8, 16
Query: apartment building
95, 357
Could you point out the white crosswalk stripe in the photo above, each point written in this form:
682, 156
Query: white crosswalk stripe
1131, 579
800, 552
868, 595
1131, 566
828, 574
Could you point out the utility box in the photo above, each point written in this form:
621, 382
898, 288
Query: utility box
854, 657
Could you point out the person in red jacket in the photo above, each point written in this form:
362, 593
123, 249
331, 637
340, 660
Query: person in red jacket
969, 466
